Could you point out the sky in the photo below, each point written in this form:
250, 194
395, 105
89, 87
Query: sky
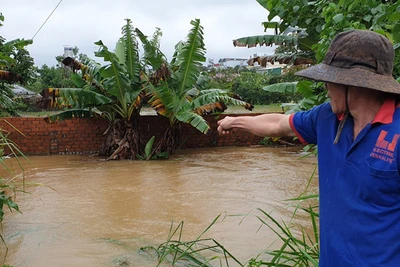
83, 22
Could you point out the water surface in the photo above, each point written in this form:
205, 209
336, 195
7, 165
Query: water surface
89, 212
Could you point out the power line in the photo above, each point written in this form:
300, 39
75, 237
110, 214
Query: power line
47, 19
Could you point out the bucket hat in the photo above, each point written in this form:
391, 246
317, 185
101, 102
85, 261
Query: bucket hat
359, 58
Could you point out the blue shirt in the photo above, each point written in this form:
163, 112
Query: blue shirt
359, 184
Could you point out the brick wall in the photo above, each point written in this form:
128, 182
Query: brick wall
85, 136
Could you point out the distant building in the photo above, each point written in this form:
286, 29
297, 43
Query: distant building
20, 91
68, 52
232, 62
26, 96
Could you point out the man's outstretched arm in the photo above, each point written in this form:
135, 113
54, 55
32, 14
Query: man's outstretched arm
271, 125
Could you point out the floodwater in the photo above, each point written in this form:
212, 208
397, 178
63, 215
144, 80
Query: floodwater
81, 211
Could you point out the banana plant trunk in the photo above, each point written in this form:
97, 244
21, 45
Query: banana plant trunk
123, 140
170, 141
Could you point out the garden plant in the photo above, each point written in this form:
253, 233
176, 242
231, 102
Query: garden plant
118, 90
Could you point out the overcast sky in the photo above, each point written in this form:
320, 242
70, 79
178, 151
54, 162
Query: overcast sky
83, 22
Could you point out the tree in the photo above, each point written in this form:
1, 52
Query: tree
309, 27
57, 76
118, 90
16, 65
15, 59
175, 91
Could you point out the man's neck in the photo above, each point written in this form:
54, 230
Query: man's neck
364, 113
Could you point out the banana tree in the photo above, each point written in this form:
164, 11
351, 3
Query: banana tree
173, 91
114, 91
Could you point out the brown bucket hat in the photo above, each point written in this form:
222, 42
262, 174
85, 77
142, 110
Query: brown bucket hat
357, 58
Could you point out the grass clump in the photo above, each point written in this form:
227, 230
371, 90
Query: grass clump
299, 247
8, 189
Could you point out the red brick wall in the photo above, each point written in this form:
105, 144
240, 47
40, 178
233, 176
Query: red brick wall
84, 136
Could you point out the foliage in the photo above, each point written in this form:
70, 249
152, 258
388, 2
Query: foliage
16, 59
16, 65
174, 89
57, 76
177, 95
191, 253
178, 90
313, 24
296, 249
7, 189
250, 87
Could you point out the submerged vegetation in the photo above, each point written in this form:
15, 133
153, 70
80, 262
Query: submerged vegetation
8, 188
296, 249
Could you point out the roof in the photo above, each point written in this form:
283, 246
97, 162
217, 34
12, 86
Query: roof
21, 91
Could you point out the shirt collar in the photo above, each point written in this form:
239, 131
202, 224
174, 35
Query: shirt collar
385, 113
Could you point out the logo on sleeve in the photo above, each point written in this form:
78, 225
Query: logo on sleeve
384, 149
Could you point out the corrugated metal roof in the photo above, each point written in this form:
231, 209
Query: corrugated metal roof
21, 91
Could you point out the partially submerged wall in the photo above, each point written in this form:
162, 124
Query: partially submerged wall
85, 136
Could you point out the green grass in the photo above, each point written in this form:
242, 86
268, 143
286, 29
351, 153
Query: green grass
257, 109
300, 249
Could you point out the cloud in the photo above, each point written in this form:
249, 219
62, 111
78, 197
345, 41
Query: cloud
82, 22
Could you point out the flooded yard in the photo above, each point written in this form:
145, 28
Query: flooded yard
88, 212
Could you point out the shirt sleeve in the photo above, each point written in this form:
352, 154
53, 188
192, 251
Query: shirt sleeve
304, 124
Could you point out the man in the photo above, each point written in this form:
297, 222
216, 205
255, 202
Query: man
357, 134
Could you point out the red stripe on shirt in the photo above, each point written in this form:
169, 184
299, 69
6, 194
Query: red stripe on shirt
291, 123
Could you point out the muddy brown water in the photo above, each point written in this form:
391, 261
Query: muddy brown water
87, 212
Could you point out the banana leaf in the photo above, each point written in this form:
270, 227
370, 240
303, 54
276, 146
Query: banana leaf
75, 113
10, 76
152, 54
210, 96
197, 121
161, 99
115, 75
284, 88
190, 58
81, 98
271, 25
131, 51
267, 40
210, 108
149, 147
